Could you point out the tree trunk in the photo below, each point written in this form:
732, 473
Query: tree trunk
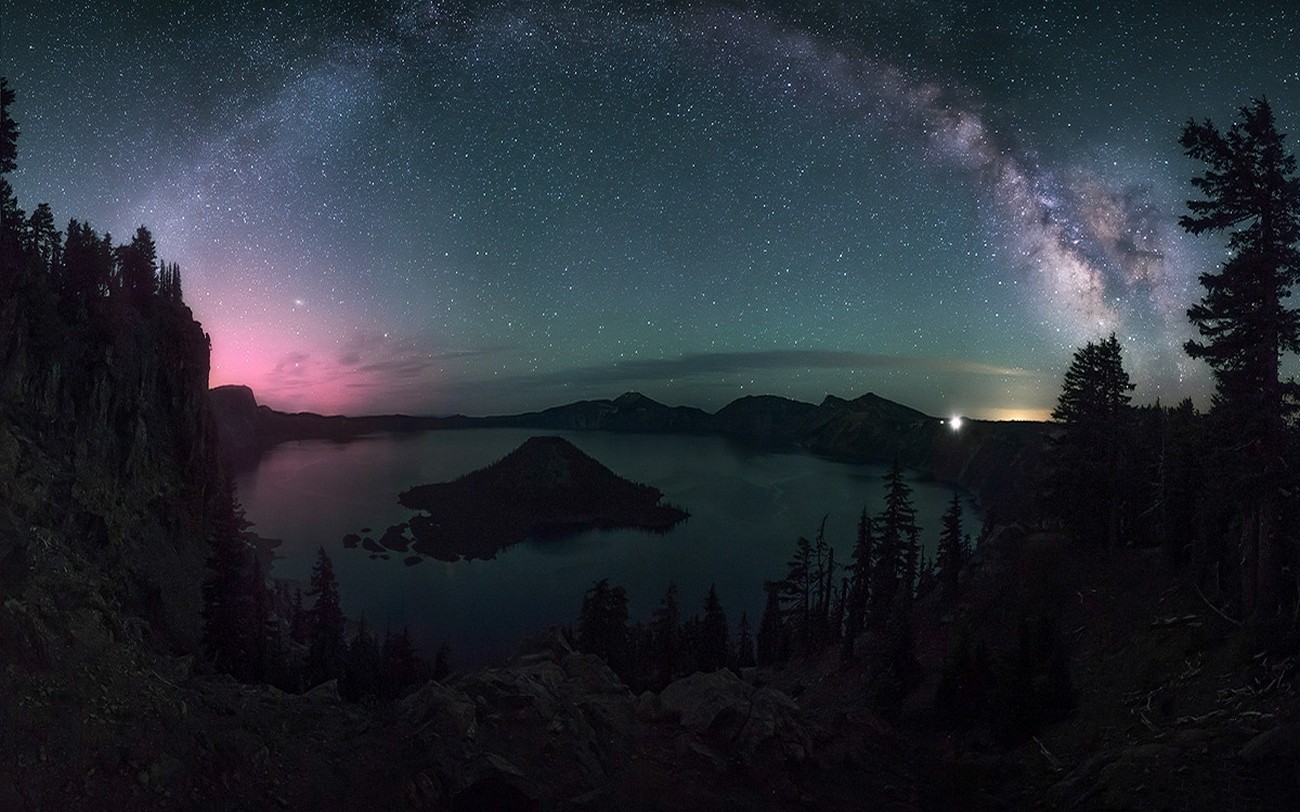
1249, 565
1266, 580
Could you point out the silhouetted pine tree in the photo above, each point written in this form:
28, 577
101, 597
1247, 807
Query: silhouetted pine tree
89, 268
666, 634
855, 615
894, 570
298, 620
232, 633
326, 648
770, 646
952, 550
1252, 193
11, 216
363, 670
822, 631
8, 129
402, 666
797, 592
44, 242
1089, 456
744, 657
840, 610
713, 645
136, 262
602, 625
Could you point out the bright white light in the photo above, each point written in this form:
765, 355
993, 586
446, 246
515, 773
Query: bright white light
954, 423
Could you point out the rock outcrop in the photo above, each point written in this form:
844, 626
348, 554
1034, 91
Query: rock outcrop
106, 441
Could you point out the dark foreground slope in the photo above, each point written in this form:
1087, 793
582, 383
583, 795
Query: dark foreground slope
545, 485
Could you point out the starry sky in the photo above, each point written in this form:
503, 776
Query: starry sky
485, 207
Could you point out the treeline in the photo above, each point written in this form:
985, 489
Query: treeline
649, 655
259, 632
819, 604
75, 276
1219, 490
71, 300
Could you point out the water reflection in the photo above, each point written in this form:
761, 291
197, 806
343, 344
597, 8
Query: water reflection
747, 508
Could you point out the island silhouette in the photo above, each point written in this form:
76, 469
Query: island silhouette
546, 487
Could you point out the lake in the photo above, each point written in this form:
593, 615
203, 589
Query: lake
748, 506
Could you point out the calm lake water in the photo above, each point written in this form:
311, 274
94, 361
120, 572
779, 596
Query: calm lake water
747, 509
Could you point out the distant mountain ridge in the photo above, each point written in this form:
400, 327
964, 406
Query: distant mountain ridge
994, 459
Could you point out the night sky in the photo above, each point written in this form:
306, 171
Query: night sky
487, 207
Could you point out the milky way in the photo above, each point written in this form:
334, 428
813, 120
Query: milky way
442, 206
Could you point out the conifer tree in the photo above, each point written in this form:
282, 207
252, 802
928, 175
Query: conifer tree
325, 645
364, 666
894, 570
231, 628
298, 619
402, 666
713, 646
839, 611
45, 241
769, 647
602, 625
855, 615
1251, 192
952, 550
666, 634
797, 593
11, 216
744, 657
8, 129
822, 627
1087, 486
137, 261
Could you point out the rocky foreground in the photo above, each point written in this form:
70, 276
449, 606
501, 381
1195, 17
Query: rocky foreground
103, 721
1177, 709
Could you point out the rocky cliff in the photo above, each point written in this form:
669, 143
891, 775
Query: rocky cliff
106, 442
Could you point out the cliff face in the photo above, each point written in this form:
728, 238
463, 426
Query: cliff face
107, 443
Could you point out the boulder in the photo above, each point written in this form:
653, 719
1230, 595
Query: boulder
751, 726
438, 712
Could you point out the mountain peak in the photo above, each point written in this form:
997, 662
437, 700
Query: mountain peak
635, 400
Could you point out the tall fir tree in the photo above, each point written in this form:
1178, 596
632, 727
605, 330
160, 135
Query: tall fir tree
8, 129
1251, 191
11, 216
952, 551
770, 647
855, 614
894, 570
602, 625
666, 636
326, 649
797, 591
744, 657
137, 260
1087, 483
231, 625
714, 643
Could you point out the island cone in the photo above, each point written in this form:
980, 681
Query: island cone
546, 486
